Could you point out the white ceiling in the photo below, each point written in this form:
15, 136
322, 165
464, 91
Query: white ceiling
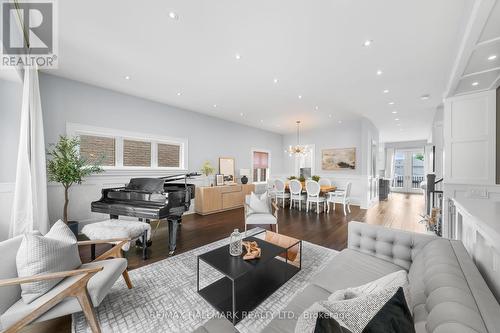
314, 48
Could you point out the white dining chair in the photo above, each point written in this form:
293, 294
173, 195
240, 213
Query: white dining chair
296, 193
279, 187
342, 197
324, 182
313, 196
271, 191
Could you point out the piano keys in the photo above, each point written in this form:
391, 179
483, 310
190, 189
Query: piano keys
150, 199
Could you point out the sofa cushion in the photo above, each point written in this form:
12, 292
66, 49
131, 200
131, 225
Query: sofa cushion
259, 218
440, 293
352, 268
57, 251
98, 287
287, 319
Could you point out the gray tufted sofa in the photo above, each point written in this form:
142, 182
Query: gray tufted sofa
448, 294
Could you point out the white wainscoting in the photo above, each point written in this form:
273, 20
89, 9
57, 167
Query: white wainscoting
476, 223
6, 195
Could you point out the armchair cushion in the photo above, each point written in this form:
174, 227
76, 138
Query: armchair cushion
98, 287
260, 218
258, 203
57, 251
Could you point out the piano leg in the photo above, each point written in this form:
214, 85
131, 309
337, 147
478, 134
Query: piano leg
172, 235
144, 245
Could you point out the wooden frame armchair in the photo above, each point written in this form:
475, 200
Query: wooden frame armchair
261, 218
78, 291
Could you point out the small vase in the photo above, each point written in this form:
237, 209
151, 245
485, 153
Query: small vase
244, 179
235, 244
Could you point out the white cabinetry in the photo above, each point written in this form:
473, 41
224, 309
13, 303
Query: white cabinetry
469, 138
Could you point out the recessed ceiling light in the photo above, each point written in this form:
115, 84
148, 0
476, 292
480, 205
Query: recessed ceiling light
394, 112
261, 120
386, 91
237, 56
316, 108
241, 114
127, 77
275, 80
300, 96
329, 115
391, 103
173, 15
179, 93
367, 42
474, 84
425, 97
379, 72
396, 119
492, 57
215, 105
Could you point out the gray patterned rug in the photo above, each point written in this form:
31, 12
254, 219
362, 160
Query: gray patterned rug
164, 297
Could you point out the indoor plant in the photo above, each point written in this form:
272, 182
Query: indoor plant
207, 169
67, 167
292, 177
302, 179
315, 178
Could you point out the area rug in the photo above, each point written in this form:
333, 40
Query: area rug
164, 296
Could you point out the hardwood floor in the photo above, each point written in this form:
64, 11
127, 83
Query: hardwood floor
401, 211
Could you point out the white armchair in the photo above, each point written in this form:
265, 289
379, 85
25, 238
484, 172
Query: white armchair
253, 218
280, 191
342, 197
81, 289
313, 196
296, 193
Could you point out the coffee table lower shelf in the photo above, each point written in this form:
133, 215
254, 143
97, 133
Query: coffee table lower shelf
236, 298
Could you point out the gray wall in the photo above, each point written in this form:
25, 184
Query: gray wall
71, 101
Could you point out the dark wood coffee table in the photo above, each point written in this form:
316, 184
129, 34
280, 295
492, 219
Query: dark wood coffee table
246, 283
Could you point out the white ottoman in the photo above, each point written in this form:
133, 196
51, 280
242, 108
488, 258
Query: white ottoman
116, 228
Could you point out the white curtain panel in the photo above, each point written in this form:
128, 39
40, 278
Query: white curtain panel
29, 211
389, 163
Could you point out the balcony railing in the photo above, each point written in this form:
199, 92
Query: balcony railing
398, 181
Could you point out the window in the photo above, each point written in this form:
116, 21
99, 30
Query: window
136, 153
168, 155
125, 150
98, 149
260, 166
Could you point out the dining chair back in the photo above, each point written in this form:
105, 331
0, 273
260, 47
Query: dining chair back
280, 193
312, 188
324, 182
279, 185
295, 187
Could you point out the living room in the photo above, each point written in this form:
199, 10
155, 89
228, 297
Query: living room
250, 167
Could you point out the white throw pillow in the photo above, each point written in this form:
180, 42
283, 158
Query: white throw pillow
258, 203
57, 251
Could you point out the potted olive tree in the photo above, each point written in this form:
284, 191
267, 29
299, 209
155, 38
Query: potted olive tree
67, 167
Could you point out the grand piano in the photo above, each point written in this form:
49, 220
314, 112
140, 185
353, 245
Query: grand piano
150, 199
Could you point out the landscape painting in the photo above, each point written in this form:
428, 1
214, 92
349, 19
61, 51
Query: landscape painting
338, 159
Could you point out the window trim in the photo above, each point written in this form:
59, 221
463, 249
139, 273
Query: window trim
269, 161
74, 129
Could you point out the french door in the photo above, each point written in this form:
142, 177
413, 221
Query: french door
408, 171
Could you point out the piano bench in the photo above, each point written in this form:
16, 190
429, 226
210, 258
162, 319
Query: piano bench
117, 228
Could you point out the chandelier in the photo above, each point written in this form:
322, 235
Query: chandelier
298, 149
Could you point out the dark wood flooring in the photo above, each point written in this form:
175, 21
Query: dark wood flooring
401, 211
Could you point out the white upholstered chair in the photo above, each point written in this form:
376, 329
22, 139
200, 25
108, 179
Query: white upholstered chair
81, 289
313, 195
324, 182
296, 193
271, 191
270, 218
280, 193
342, 197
